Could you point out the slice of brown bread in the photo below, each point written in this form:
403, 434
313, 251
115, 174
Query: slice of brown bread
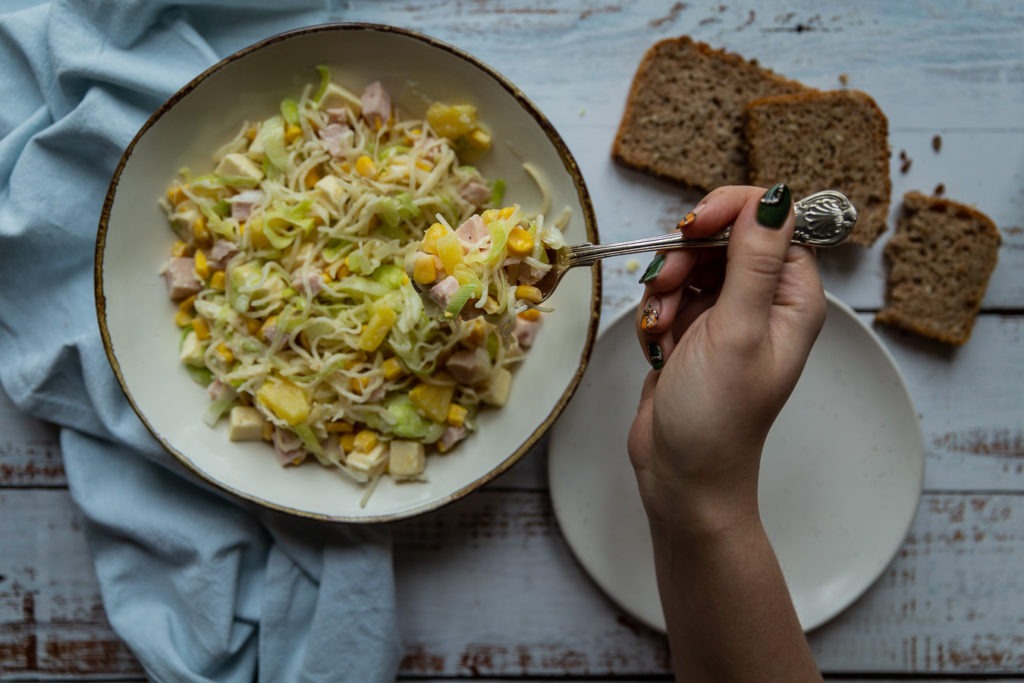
684, 114
837, 140
940, 261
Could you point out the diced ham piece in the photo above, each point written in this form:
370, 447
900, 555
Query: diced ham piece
336, 137
469, 367
376, 103
530, 275
338, 115
525, 331
451, 436
476, 192
288, 447
306, 279
180, 275
472, 232
444, 290
243, 203
217, 389
221, 253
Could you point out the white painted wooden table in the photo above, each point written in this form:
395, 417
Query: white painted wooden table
487, 587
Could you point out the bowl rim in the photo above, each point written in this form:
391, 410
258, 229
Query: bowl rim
589, 222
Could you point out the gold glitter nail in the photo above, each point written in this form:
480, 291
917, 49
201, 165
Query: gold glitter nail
649, 318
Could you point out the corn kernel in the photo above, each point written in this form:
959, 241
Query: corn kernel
456, 415
366, 440
424, 165
339, 427
491, 306
490, 215
176, 195
507, 212
199, 230
217, 280
187, 303
424, 271
348, 442
292, 133
391, 368
311, 179
250, 133
529, 293
365, 166
477, 333
449, 248
224, 353
182, 318
252, 325
202, 329
202, 265
179, 249
530, 314
430, 237
520, 242
359, 383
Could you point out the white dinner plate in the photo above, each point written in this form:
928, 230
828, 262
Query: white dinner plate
840, 482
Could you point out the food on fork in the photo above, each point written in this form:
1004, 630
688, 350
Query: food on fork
941, 258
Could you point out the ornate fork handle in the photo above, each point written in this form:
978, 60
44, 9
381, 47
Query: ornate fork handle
823, 219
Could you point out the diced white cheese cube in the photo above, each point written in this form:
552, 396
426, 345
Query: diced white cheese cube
245, 424
239, 165
407, 459
501, 385
192, 350
365, 465
333, 188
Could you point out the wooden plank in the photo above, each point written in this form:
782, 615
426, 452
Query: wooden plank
495, 567
488, 587
29, 449
52, 621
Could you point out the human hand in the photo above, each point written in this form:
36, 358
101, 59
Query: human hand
728, 333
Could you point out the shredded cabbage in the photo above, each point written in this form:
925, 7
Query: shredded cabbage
299, 301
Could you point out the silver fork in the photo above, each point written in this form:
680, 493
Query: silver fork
823, 219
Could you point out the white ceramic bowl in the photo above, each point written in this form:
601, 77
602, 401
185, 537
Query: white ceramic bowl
136, 318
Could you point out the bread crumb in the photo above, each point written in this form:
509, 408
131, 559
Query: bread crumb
905, 161
940, 190
937, 143
632, 265
844, 80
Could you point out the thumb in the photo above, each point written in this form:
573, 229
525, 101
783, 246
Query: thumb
757, 249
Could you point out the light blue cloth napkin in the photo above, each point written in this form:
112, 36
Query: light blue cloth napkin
200, 586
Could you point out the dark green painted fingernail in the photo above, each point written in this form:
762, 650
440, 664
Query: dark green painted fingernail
655, 355
652, 270
774, 206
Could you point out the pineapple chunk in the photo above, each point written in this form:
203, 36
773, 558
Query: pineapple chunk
501, 384
449, 248
452, 121
434, 400
193, 350
408, 459
286, 400
246, 424
380, 324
